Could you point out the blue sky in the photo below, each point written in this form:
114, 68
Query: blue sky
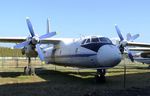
72, 18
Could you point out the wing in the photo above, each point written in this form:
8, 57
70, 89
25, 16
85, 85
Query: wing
138, 44
12, 39
21, 39
50, 41
139, 49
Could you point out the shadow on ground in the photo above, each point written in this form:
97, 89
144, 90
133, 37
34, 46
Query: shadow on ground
10, 74
74, 84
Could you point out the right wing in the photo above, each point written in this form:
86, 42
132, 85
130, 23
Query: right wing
138, 44
139, 49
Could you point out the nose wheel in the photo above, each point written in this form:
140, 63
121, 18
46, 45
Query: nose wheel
100, 76
29, 70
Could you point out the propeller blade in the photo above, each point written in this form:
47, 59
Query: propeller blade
119, 33
130, 55
23, 44
128, 37
30, 27
48, 35
40, 53
134, 37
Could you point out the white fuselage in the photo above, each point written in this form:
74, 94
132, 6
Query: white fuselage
71, 52
140, 58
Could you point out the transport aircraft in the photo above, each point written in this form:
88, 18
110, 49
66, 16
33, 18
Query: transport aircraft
95, 52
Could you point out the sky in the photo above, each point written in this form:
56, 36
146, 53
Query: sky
75, 18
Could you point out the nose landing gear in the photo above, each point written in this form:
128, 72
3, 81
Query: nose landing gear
100, 76
29, 70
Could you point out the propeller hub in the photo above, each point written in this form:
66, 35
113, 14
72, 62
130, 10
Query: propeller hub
123, 43
35, 40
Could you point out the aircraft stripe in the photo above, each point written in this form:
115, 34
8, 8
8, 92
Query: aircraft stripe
142, 59
74, 55
95, 46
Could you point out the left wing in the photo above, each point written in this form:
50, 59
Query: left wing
22, 39
50, 41
12, 39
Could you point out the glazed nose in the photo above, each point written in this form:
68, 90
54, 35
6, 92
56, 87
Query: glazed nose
109, 56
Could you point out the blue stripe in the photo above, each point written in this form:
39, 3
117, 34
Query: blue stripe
143, 59
74, 55
95, 46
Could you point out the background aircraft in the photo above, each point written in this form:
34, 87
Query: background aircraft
139, 52
94, 52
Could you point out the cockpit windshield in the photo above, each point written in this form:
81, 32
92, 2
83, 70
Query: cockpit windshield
96, 40
88, 41
83, 41
104, 40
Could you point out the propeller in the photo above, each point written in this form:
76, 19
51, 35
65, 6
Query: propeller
35, 39
132, 38
123, 42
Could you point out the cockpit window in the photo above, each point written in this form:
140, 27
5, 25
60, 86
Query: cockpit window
95, 40
83, 41
104, 40
88, 41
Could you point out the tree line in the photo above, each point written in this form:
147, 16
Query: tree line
9, 52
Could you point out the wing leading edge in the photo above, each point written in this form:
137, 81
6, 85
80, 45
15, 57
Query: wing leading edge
139, 49
21, 39
138, 44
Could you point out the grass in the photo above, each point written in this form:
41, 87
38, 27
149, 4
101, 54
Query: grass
53, 80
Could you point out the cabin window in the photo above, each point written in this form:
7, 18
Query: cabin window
76, 50
60, 52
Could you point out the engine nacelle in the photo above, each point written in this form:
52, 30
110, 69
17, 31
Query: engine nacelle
29, 51
145, 55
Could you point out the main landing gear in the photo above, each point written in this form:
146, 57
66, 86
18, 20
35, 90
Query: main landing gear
100, 76
29, 70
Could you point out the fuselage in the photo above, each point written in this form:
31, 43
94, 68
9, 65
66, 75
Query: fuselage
143, 57
89, 52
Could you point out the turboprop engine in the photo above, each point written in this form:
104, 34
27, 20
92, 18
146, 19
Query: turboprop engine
29, 51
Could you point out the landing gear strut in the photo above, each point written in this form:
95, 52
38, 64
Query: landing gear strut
100, 76
29, 70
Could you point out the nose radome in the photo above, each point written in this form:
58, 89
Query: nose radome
109, 56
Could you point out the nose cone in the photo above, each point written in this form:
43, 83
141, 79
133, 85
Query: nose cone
108, 56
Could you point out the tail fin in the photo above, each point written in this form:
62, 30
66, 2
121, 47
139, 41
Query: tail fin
48, 26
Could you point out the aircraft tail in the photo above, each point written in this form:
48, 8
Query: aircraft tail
48, 26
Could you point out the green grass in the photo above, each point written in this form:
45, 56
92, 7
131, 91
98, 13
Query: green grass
53, 80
